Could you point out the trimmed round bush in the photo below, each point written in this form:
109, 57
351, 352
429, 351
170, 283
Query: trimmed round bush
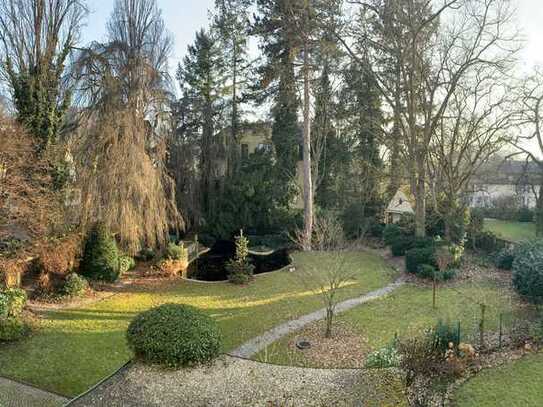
417, 257
75, 286
174, 335
528, 271
101, 256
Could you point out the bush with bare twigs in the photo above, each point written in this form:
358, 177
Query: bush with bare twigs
328, 237
56, 259
29, 208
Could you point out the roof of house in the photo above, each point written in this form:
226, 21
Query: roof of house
402, 202
509, 172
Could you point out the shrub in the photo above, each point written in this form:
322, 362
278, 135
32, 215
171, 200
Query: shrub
429, 356
457, 254
13, 329
423, 242
240, 270
435, 222
173, 251
525, 215
485, 241
177, 252
401, 245
147, 254
505, 258
174, 335
55, 260
419, 357
417, 257
384, 358
528, 271
75, 286
448, 274
12, 302
444, 334
426, 271
11, 271
169, 268
126, 263
101, 256
391, 233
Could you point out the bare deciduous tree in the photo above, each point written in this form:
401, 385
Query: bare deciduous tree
335, 272
530, 139
475, 127
435, 45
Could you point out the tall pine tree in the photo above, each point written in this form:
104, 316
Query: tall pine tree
201, 78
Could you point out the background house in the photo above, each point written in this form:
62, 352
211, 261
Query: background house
400, 205
518, 180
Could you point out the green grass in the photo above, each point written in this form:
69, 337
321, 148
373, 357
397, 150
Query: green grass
73, 349
406, 312
514, 384
510, 230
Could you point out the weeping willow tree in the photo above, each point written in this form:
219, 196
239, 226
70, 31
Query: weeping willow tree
123, 87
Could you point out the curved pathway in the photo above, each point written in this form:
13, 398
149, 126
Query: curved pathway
259, 343
15, 394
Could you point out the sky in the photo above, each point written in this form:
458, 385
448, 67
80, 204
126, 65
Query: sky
184, 17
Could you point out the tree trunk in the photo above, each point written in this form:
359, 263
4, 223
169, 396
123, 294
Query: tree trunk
308, 183
329, 320
420, 200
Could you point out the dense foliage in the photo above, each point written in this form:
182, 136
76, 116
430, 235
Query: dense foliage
13, 329
12, 325
174, 335
414, 258
528, 271
12, 303
75, 286
100, 257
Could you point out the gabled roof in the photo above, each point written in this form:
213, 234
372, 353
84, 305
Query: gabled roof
402, 202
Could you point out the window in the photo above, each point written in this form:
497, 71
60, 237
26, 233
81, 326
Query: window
263, 148
244, 151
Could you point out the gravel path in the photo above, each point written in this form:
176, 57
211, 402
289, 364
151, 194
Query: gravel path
236, 382
14, 394
259, 343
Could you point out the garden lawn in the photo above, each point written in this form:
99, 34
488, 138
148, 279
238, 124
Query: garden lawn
73, 349
510, 230
514, 384
406, 312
